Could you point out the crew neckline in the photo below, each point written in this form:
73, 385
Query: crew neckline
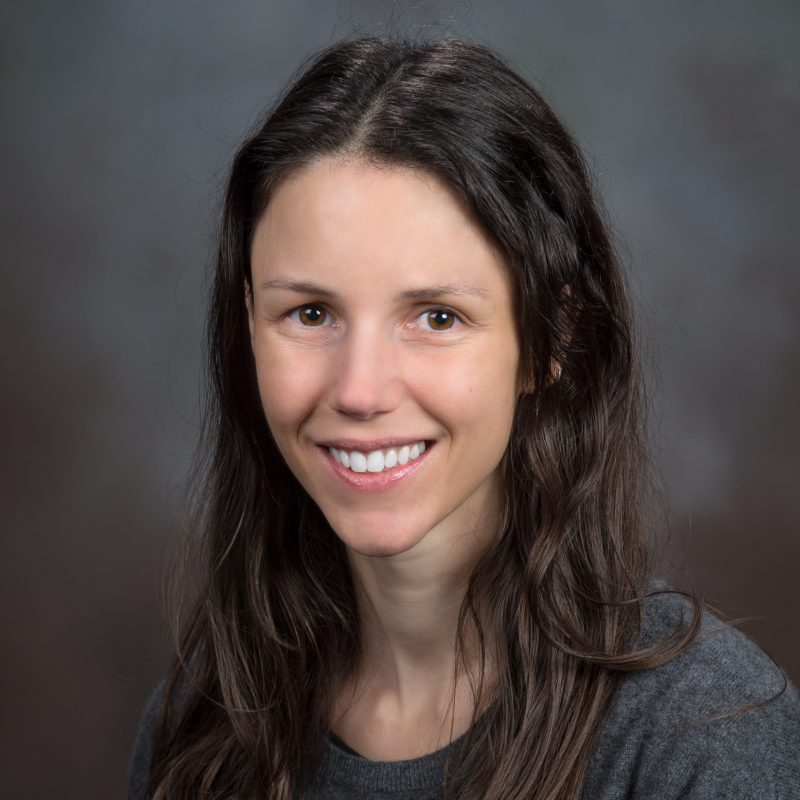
354, 770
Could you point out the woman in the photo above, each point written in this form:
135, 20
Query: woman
425, 570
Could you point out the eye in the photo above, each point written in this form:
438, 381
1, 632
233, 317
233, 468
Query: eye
310, 315
440, 319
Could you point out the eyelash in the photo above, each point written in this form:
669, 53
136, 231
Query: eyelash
458, 320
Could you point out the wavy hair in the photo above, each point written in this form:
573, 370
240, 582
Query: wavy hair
273, 628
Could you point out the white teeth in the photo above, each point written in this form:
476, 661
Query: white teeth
377, 460
341, 456
358, 461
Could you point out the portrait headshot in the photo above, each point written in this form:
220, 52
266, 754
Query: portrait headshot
423, 420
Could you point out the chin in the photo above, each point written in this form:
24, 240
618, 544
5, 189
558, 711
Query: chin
377, 550
377, 538
382, 546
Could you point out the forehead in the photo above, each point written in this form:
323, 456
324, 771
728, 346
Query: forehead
348, 219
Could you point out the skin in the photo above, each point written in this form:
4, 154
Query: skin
379, 365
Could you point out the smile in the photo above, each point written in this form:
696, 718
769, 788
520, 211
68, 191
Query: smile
377, 460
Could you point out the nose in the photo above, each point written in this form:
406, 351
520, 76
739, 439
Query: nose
366, 382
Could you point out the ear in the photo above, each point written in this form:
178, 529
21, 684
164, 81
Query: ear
555, 372
566, 312
248, 301
528, 385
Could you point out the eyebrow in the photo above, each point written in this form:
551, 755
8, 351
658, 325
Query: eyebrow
421, 293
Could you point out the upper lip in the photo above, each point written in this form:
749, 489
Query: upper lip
368, 445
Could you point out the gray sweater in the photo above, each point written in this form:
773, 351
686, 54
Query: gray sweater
656, 744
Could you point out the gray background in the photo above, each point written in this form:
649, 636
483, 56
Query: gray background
119, 120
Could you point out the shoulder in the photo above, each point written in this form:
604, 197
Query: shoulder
683, 729
720, 670
139, 772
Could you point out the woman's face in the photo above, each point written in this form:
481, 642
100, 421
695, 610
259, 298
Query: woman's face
386, 352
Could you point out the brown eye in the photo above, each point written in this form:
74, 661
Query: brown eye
311, 315
441, 320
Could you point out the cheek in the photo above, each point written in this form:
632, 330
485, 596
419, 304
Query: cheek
474, 395
286, 383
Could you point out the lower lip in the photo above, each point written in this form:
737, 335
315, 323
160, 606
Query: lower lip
376, 481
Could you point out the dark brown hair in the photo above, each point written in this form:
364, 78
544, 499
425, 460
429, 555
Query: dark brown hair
273, 631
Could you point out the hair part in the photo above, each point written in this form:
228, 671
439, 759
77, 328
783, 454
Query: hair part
274, 631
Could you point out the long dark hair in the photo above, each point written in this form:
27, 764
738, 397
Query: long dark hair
273, 631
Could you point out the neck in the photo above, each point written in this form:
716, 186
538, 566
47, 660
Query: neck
409, 605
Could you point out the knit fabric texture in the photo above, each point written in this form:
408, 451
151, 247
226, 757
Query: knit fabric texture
659, 742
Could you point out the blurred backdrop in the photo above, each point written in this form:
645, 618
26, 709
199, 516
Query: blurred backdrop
119, 120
